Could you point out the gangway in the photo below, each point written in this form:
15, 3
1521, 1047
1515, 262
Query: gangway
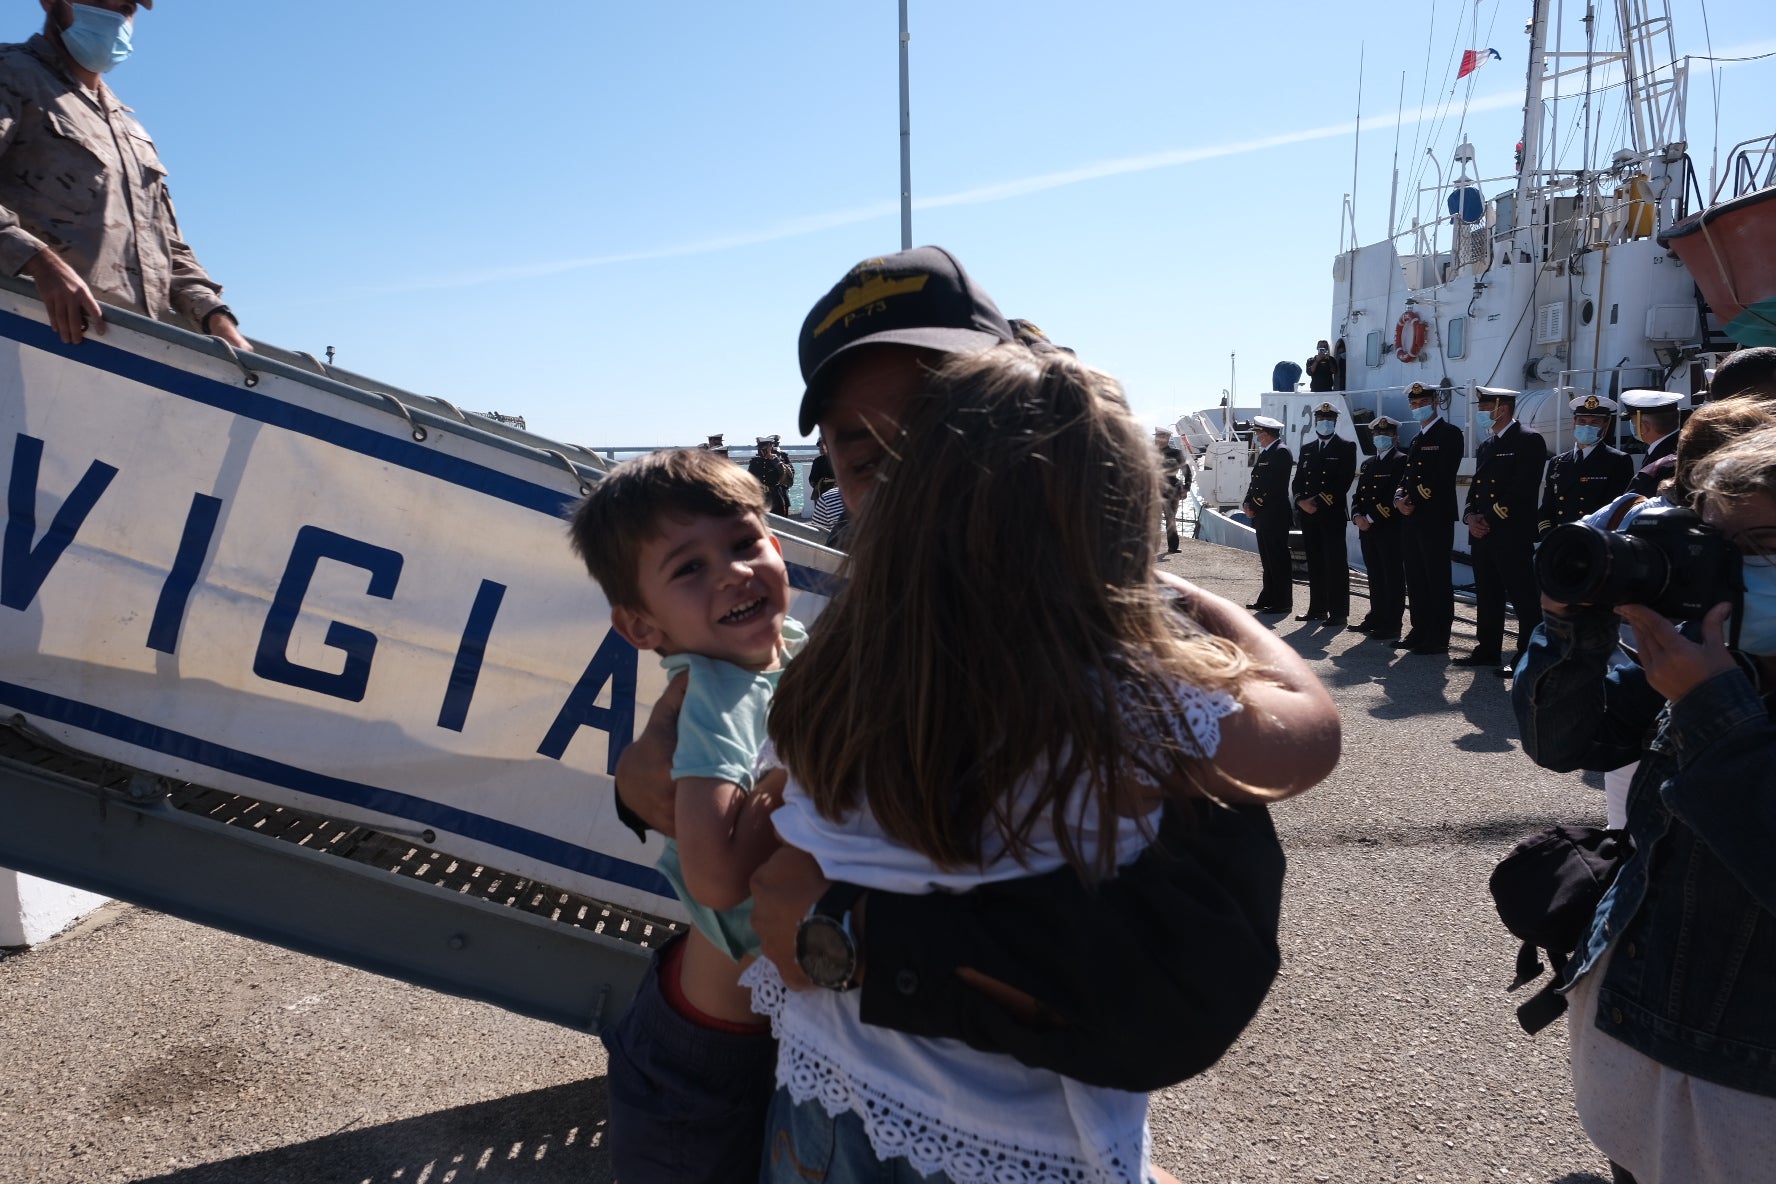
305, 657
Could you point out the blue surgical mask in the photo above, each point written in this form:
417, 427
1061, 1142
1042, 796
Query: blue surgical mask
1325, 427
98, 38
1757, 624
1383, 443
1587, 434
1426, 413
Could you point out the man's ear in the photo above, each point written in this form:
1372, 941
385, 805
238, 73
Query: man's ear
636, 628
776, 542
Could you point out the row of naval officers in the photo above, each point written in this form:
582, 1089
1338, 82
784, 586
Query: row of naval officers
1406, 513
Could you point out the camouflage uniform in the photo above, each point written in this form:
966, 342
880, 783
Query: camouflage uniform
79, 175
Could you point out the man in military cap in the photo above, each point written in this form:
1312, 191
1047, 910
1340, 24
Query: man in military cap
1267, 507
1323, 475
1500, 516
1656, 416
1172, 485
774, 472
84, 207
1591, 473
1378, 532
1426, 498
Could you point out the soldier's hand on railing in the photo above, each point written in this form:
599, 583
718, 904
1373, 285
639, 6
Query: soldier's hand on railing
71, 306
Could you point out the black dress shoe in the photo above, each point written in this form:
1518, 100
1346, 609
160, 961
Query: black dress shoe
1441, 651
1479, 659
1311, 617
1385, 638
1406, 643
1257, 606
1361, 627
1337, 623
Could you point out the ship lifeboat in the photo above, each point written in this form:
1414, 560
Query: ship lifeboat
1730, 249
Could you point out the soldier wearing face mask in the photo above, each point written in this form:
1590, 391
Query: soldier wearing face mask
84, 206
1656, 416
1426, 497
1590, 473
1323, 475
1378, 527
1500, 516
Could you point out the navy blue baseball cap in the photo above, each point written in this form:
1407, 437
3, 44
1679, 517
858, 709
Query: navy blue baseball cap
921, 297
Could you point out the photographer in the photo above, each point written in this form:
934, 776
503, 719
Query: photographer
1670, 1023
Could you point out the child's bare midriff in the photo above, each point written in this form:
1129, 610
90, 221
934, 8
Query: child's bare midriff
706, 976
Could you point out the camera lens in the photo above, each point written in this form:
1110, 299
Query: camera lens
1579, 564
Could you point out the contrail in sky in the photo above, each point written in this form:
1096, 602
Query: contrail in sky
814, 223
1023, 186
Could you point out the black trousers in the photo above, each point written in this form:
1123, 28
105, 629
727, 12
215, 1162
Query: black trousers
1504, 569
1323, 535
1386, 565
1426, 540
1278, 591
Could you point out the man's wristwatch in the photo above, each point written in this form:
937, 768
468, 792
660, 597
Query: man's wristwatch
826, 947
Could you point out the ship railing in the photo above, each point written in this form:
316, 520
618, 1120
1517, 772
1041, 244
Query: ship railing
1753, 167
1594, 217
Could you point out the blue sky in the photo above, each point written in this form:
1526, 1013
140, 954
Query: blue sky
611, 218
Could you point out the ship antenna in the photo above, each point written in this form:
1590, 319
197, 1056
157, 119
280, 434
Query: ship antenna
1357, 145
906, 140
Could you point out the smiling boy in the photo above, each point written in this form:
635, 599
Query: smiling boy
678, 542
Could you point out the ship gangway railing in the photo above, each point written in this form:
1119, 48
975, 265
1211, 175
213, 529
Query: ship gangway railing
306, 657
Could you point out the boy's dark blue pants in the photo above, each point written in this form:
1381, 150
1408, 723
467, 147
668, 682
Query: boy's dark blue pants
688, 1104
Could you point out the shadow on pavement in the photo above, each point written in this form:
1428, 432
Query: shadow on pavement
542, 1137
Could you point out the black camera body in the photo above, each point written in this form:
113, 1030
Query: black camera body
1668, 559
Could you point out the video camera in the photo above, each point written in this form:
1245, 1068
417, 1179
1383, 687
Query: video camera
1668, 559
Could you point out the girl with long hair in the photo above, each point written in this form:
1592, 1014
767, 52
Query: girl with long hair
1001, 689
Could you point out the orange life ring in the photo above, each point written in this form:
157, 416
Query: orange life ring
1409, 336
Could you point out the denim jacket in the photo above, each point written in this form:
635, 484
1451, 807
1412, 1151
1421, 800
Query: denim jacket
1692, 914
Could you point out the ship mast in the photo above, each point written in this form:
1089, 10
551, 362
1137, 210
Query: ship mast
1532, 105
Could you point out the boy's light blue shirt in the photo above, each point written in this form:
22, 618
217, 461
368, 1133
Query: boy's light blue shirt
721, 730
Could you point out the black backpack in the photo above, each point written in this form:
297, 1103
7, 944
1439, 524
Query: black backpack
1547, 890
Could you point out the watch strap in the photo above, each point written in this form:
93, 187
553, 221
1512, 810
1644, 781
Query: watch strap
837, 902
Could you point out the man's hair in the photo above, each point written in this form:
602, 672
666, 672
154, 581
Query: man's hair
1749, 372
1743, 468
1000, 639
1663, 420
627, 504
1710, 428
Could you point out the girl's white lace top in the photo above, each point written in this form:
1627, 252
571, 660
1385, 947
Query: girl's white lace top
976, 1117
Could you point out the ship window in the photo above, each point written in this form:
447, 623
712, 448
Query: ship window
1456, 339
1614, 309
1587, 311
1372, 351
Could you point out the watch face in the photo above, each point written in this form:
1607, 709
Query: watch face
825, 953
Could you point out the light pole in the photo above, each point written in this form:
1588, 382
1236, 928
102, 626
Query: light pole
906, 140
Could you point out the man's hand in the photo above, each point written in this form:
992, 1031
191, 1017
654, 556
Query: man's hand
222, 325
1674, 664
784, 888
1404, 504
1362, 521
71, 306
1308, 505
1477, 525
1247, 510
644, 771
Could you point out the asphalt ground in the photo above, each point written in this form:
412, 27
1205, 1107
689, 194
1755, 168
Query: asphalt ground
144, 1049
